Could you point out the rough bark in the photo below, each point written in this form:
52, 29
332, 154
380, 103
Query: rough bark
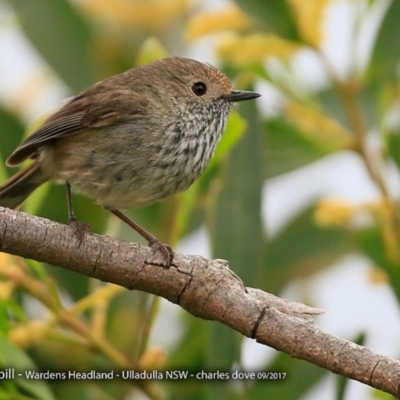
206, 288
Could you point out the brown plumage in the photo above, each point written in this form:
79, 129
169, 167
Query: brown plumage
129, 140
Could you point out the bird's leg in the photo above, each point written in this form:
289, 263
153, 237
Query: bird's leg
154, 243
79, 228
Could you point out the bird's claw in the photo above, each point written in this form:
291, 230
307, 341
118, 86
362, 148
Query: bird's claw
164, 249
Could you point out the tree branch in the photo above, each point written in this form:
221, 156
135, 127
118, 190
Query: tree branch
206, 288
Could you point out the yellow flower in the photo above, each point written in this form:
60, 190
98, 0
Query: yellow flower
321, 130
228, 18
378, 276
253, 49
333, 212
6, 290
153, 359
147, 15
28, 334
310, 18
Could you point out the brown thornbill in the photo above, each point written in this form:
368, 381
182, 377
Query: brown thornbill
129, 140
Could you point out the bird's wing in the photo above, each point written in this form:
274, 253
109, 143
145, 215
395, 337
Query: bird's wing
90, 110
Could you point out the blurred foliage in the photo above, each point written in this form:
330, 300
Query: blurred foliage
51, 319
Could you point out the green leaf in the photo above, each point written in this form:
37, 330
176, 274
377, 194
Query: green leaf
223, 350
11, 132
61, 36
234, 220
377, 394
276, 14
373, 245
100, 390
13, 357
300, 377
10, 311
286, 148
386, 52
236, 230
193, 345
302, 248
393, 146
204, 353
367, 98
231, 137
151, 50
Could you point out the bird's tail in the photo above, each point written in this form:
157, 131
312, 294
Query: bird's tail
17, 188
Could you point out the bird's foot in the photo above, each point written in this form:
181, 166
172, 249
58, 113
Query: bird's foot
164, 249
79, 228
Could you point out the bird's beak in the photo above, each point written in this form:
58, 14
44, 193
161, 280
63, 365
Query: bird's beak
240, 95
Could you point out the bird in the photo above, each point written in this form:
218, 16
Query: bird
130, 140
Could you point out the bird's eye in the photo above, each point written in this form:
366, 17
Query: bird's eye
199, 88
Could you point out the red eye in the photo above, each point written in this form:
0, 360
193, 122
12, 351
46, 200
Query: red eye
199, 88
